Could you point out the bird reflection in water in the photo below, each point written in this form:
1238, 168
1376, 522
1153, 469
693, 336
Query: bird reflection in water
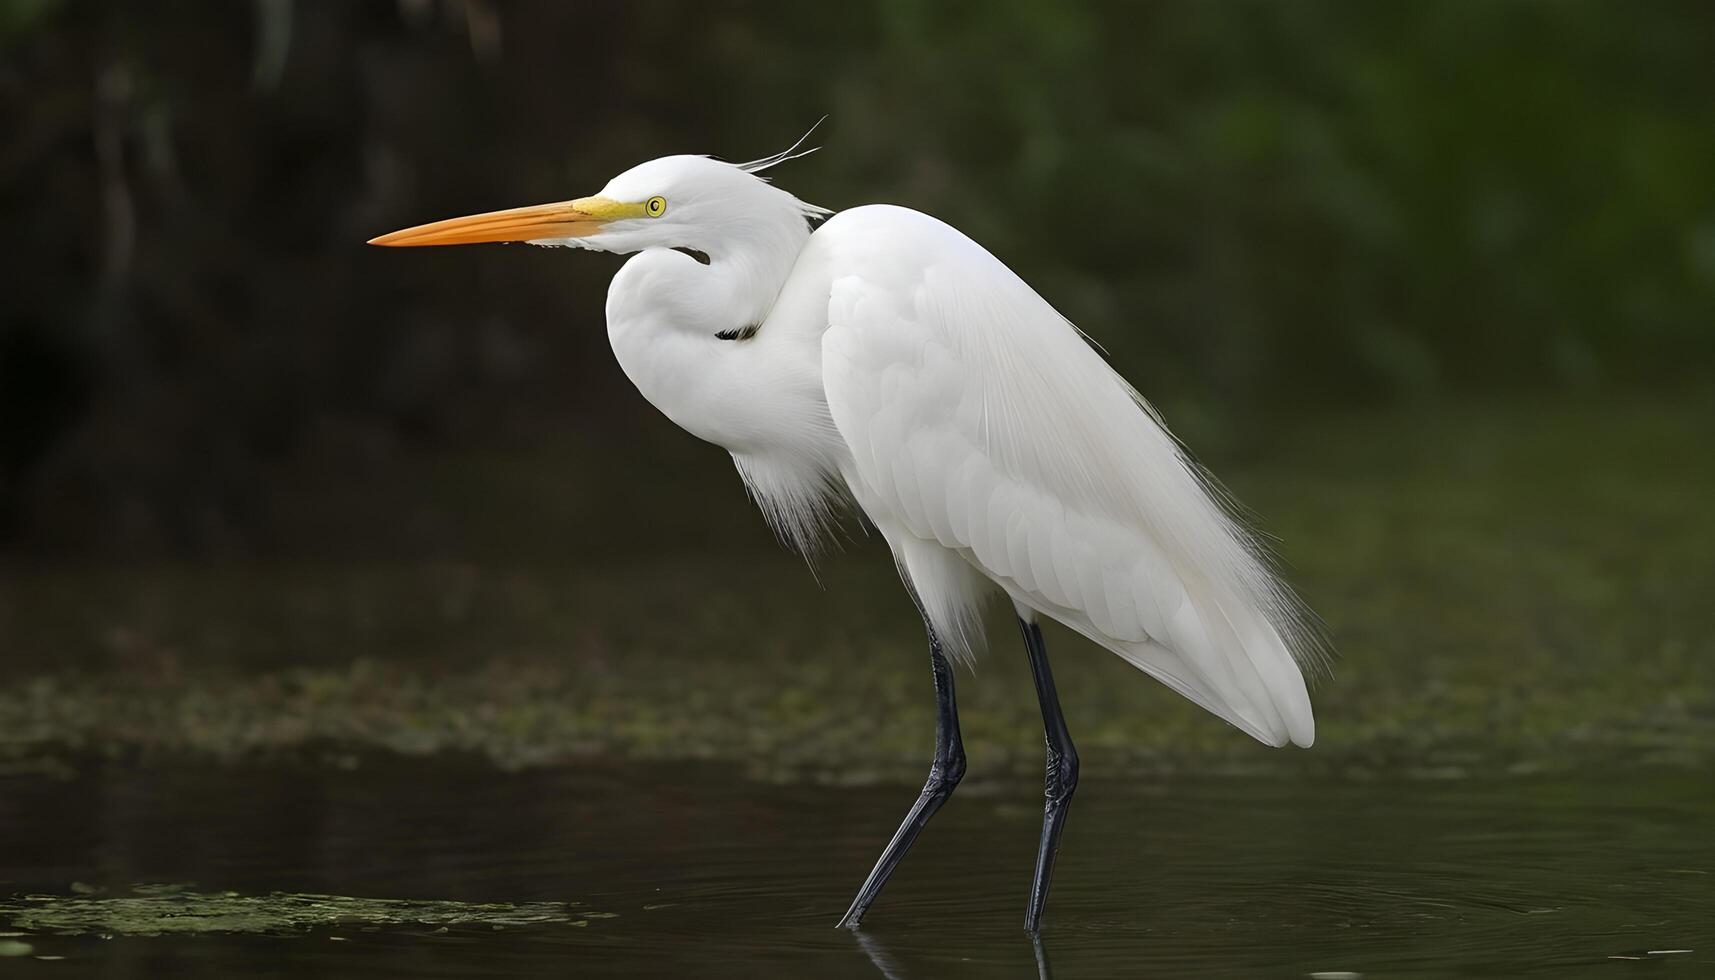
889, 966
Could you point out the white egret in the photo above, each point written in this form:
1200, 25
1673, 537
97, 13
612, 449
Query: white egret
886, 360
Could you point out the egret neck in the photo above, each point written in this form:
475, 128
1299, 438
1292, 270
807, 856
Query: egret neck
731, 357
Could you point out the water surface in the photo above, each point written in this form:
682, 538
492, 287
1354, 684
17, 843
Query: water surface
449, 868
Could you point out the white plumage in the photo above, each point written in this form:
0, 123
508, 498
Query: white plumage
889, 360
978, 421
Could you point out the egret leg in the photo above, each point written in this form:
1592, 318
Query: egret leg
945, 771
1061, 774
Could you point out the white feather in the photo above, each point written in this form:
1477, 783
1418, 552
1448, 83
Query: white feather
968, 401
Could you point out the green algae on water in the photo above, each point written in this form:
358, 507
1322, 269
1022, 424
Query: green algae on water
160, 910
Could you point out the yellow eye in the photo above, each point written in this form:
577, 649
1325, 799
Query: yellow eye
655, 207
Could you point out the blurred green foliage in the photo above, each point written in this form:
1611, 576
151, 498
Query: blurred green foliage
1254, 206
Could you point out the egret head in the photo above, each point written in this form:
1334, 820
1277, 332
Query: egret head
693, 202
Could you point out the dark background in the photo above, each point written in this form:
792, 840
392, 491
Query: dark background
1264, 211
364, 573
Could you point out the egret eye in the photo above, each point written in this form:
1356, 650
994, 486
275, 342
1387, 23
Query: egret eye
655, 207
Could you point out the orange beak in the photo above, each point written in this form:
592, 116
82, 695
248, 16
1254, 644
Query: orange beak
562, 219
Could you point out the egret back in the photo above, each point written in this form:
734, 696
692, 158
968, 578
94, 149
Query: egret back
979, 419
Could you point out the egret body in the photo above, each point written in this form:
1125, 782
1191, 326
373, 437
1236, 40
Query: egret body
886, 361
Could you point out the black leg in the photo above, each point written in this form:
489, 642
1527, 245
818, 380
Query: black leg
1061, 775
945, 772
1043, 970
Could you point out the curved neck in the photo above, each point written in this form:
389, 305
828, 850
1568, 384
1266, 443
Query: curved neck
731, 352
744, 274
699, 342
730, 286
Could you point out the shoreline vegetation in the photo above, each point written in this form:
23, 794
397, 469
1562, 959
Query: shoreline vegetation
1509, 591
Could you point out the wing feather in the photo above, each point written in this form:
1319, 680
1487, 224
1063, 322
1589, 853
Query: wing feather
980, 419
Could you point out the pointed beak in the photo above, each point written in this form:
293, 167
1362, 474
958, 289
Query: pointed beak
563, 219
